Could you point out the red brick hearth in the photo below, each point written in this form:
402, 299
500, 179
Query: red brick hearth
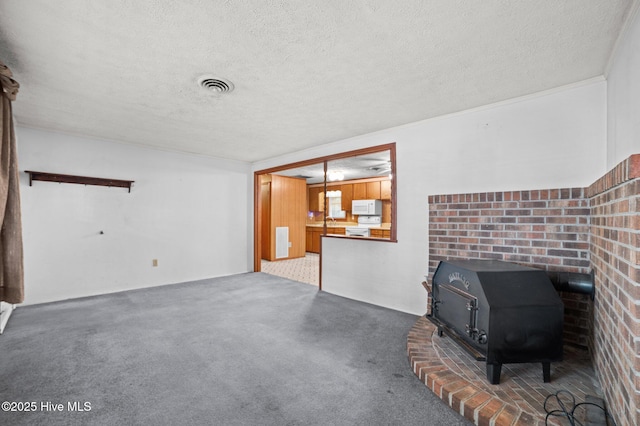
460, 381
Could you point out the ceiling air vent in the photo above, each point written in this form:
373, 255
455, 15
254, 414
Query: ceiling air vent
215, 84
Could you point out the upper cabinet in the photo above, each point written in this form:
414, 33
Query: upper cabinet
359, 191
316, 200
385, 190
366, 189
347, 196
373, 190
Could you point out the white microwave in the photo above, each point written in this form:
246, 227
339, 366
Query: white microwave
366, 207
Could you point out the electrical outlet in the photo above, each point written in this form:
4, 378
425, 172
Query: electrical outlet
155, 262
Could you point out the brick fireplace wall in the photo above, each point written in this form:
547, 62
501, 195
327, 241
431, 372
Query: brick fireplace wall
574, 230
615, 256
546, 229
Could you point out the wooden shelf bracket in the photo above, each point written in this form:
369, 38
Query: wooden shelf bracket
82, 180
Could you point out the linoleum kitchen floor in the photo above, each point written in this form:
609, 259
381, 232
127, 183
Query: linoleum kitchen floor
303, 269
244, 349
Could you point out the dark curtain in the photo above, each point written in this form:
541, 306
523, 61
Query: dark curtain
11, 260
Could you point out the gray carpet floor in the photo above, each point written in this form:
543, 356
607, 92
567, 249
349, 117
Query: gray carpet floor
248, 349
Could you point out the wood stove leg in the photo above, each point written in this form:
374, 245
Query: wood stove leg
546, 372
440, 332
493, 373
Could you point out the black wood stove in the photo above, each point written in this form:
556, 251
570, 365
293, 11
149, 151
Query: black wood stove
499, 312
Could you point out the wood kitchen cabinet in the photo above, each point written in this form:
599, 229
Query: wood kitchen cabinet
347, 196
336, 230
380, 233
365, 189
316, 199
313, 239
314, 233
385, 190
359, 191
373, 190
368, 191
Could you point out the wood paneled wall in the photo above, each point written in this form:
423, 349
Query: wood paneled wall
287, 205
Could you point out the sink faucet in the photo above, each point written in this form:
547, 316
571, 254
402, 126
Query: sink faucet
332, 219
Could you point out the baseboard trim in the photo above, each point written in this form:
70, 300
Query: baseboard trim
5, 312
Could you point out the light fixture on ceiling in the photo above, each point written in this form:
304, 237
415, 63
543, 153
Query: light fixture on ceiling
335, 175
215, 84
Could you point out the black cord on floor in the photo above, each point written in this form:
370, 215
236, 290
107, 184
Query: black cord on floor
569, 412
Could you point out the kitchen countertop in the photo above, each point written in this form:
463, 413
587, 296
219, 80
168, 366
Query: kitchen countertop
346, 225
333, 225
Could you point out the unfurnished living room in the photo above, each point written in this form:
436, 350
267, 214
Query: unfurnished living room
311, 213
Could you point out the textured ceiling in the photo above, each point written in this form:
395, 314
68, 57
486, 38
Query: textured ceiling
305, 73
376, 164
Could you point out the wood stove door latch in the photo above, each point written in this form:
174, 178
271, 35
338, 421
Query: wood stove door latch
472, 307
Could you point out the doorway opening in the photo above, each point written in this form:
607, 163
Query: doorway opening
296, 205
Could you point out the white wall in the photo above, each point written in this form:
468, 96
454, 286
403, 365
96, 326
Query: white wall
554, 140
623, 96
187, 211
